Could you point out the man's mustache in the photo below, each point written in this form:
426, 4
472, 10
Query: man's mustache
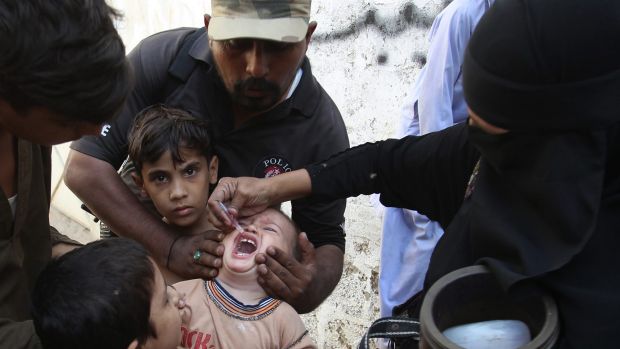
256, 84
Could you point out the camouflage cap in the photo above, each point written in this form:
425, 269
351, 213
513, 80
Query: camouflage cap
278, 20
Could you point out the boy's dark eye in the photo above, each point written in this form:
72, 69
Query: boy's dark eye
190, 171
158, 178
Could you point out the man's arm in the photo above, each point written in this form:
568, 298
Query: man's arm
98, 185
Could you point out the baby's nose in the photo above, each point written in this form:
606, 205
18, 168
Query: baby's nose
251, 228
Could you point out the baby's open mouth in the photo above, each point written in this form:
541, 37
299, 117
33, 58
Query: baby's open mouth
245, 244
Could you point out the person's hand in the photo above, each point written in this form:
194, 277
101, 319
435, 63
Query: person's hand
185, 311
283, 277
181, 259
244, 196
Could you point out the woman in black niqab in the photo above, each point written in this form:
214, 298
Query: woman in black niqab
545, 205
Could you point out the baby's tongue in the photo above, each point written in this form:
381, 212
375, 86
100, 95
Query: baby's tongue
246, 247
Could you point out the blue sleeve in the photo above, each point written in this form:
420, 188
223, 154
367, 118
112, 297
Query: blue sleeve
449, 36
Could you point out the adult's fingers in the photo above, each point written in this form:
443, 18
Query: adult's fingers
224, 192
272, 284
283, 275
184, 259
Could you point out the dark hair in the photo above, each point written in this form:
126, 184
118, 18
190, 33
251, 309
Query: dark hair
64, 55
295, 248
96, 296
158, 128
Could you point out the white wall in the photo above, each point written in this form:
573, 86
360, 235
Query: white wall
365, 54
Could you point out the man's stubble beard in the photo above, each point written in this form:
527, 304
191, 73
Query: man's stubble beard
272, 96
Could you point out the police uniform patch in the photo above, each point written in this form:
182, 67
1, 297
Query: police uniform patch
272, 165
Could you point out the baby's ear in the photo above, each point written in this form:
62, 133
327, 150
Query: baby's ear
133, 345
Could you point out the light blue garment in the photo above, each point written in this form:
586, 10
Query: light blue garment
435, 102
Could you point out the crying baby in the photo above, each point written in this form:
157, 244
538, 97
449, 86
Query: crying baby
233, 310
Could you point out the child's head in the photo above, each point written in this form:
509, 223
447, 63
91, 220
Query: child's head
268, 228
174, 160
108, 294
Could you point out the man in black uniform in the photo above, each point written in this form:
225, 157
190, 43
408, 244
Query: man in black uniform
248, 75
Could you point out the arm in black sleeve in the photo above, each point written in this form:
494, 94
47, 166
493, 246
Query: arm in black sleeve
150, 61
428, 173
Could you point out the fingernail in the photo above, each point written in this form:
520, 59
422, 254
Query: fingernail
213, 273
220, 236
218, 263
271, 251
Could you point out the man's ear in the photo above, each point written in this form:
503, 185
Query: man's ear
133, 345
311, 29
207, 20
213, 166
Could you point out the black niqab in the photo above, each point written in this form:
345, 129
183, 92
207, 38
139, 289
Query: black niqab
546, 206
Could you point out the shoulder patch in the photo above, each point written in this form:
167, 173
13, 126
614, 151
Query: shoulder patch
272, 165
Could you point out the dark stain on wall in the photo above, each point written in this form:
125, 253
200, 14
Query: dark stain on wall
382, 58
408, 16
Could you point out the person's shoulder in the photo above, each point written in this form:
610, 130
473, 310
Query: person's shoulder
189, 286
286, 310
162, 46
316, 99
464, 9
293, 329
167, 38
288, 319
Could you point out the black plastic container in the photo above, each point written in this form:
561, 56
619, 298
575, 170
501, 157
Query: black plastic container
473, 294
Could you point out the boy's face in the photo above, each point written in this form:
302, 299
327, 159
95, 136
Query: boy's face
165, 314
180, 191
268, 228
